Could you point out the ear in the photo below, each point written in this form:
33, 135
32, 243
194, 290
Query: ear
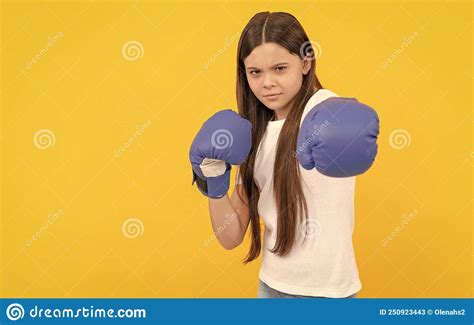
306, 65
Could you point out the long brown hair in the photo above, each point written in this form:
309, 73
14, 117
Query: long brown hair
284, 29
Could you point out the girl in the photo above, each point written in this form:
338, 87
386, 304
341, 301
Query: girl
307, 244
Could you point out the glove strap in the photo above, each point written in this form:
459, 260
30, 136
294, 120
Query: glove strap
213, 187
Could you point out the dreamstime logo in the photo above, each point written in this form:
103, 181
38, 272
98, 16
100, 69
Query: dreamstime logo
15, 312
229, 218
222, 139
132, 50
310, 50
318, 130
407, 40
44, 139
50, 44
399, 139
139, 131
407, 218
51, 219
132, 228
222, 50
311, 228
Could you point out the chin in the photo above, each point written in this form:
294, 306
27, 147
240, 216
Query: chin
274, 107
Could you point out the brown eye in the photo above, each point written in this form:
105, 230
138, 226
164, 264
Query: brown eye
282, 68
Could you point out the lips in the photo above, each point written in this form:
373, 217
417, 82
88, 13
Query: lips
272, 96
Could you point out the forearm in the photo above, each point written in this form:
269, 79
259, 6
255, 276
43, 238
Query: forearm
225, 222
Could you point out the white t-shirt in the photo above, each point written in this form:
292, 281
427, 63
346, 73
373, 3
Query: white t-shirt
324, 265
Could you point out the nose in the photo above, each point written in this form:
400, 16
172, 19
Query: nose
268, 82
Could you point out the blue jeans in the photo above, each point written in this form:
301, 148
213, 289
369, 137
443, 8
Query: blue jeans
264, 291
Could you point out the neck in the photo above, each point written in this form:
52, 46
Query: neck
277, 118
282, 113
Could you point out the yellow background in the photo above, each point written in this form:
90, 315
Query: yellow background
411, 61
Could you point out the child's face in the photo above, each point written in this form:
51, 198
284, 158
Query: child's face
271, 69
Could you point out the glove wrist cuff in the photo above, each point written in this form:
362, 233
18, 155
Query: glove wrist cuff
213, 187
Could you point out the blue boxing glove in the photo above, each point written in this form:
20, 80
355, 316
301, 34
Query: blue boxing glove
224, 139
338, 137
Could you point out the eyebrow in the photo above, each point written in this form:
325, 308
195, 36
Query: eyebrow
248, 68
